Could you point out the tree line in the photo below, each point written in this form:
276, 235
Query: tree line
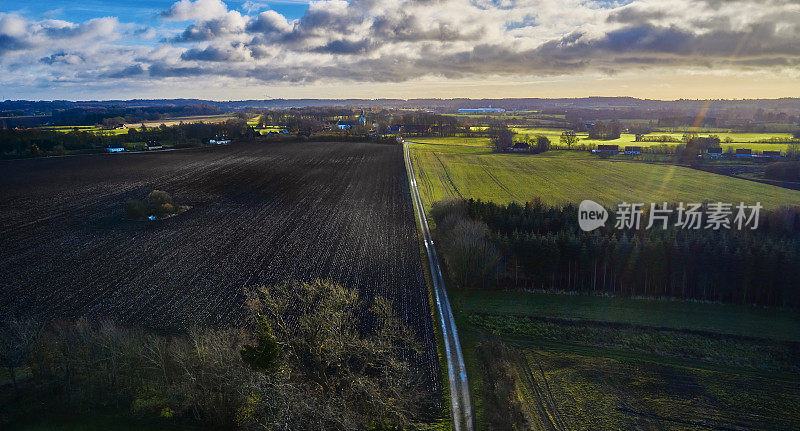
535, 246
79, 116
307, 361
35, 142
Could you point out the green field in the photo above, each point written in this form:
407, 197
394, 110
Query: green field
91, 129
603, 363
739, 140
481, 142
720, 318
266, 130
574, 370
457, 171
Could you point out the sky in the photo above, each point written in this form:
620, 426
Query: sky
234, 50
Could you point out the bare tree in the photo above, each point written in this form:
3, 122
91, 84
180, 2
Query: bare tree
343, 376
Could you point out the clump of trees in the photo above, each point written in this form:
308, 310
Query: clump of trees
343, 375
793, 151
470, 258
663, 138
696, 145
606, 130
158, 204
569, 138
541, 145
500, 136
308, 362
542, 247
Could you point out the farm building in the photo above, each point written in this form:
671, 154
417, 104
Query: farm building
394, 129
221, 140
480, 110
115, 149
607, 149
633, 150
713, 152
768, 153
744, 152
521, 146
345, 125
153, 145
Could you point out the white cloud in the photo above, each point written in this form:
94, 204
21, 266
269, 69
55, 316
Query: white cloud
254, 6
195, 10
394, 41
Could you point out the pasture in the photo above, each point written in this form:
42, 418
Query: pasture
453, 171
730, 319
97, 130
582, 362
260, 214
177, 120
738, 140
90, 129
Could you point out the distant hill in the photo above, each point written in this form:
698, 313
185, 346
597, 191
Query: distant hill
787, 105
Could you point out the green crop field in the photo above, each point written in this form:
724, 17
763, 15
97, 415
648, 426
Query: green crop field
586, 362
458, 171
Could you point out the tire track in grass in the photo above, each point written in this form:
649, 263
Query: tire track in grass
447, 176
548, 410
489, 173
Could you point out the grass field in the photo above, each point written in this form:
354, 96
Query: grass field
188, 119
455, 171
602, 363
268, 129
739, 140
720, 318
454, 140
646, 374
91, 129
148, 124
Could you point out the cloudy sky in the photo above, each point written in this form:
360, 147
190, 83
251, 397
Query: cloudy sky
256, 49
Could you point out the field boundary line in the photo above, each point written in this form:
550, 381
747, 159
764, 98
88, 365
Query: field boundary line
456, 369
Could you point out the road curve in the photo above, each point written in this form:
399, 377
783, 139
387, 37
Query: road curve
456, 370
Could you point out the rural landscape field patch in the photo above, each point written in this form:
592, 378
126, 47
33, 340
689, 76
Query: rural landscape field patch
452, 172
260, 214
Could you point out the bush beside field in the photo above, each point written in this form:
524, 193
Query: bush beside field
305, 362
